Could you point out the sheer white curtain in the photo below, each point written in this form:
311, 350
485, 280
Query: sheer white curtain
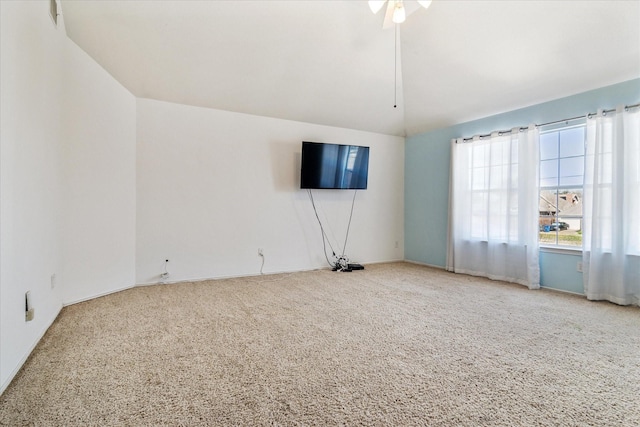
611, 229
493, 222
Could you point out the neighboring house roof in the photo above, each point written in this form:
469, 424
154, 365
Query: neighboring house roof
567, 203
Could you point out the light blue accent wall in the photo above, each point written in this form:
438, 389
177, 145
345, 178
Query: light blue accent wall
427, 158
559, 271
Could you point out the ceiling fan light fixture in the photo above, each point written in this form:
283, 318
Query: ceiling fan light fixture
376, 5
395, 12
399, 14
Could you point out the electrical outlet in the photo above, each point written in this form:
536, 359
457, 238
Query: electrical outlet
53, 281
28, 309
165, 274
396, 244
260, 252
579, 267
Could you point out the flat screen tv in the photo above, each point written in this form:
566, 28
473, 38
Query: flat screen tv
334, 166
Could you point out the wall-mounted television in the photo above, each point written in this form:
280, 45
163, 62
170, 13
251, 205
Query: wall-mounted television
334, 166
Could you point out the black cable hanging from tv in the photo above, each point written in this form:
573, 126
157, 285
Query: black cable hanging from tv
342, 262
353, 202
325, 238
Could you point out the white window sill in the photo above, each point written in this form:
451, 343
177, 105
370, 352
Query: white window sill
567, 250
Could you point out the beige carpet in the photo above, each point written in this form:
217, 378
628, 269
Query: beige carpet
395, 344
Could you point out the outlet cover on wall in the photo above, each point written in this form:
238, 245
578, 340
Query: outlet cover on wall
29, 312
579, 266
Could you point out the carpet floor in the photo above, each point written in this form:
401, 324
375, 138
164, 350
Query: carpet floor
394, 345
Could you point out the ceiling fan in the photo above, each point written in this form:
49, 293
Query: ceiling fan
397, 11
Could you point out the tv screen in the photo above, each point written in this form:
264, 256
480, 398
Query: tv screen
334, 166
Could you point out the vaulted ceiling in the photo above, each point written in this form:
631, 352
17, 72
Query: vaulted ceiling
331, 63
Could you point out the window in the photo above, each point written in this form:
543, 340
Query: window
494, 193
494, 189
561, 186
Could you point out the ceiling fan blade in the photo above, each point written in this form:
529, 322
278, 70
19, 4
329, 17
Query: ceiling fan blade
376, 5
388, 16
410, 7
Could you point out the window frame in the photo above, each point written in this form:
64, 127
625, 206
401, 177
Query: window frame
557, 247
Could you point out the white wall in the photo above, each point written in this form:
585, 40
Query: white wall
99, 180
67, 178
214, 186
68, 203
30, 176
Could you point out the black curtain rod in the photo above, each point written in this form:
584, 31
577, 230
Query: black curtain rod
523, 128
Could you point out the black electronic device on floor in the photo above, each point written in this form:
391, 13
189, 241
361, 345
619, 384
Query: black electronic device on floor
347, 268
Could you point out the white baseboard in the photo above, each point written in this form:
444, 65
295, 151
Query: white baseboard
233, 276
102, 294
237, 276
439, 267
24, 358
563, 291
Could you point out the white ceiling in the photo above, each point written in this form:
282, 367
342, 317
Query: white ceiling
330, 62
